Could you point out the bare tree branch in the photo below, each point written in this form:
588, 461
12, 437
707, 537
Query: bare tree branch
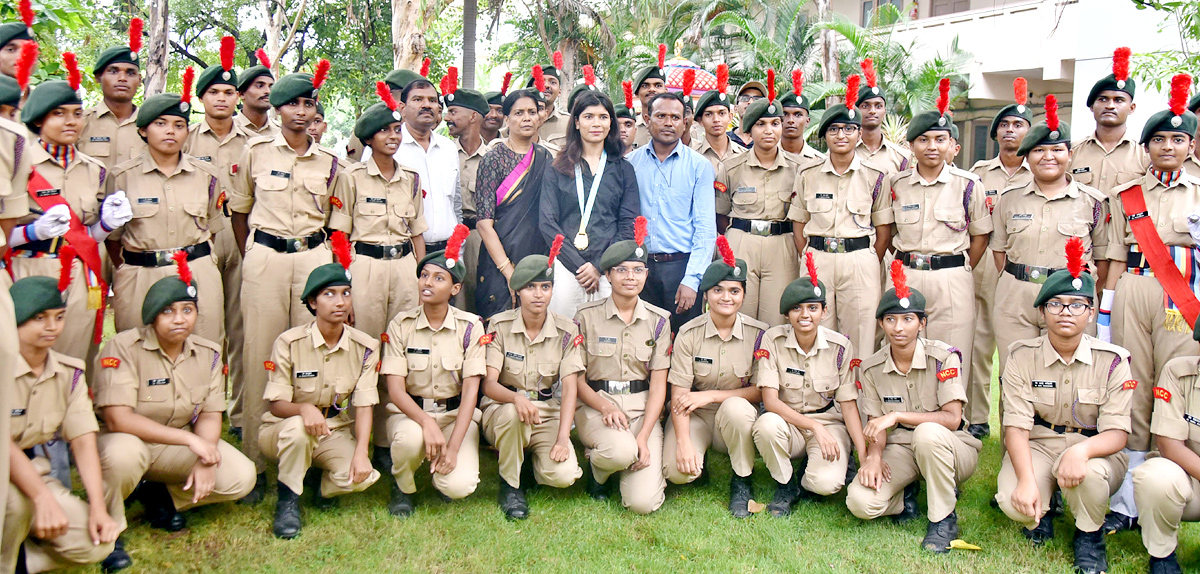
182, 51
283, 47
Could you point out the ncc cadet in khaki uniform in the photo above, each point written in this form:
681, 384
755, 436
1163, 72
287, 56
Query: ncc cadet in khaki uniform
843, 218
522, 409
110, 133
69, 191
647, 83
1108, 158
1150, 305
1165, 487
756, 197
795, 121
806, 374
254, 88
1007, 169
625, 119
318, 371
434, 377
281, 199
714, 402
219, 141
461, 123
10, 98
713, 113
494, 120
747, 94
1066, 418
556, 121
912, 393
45, 526
872, 145
175, 208
627, 356
942, 227
13, 36
161, 394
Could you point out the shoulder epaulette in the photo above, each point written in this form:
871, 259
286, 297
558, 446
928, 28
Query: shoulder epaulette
588, 305
1124, 186
202, 342
1015, 187
696, 322
363, 338
503, 317
810, 163
657, 310
258, 140
877, 358
752, 322
1100, 345
733, 161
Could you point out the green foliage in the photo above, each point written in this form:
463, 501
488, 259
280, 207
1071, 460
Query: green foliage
1182, 17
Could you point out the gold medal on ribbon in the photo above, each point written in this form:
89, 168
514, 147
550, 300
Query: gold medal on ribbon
581, 241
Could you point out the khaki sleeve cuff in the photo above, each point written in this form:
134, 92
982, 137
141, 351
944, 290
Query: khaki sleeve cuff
474, 367
365, 397
339, 221
1169, 427
883, 217
398, 365
278, 392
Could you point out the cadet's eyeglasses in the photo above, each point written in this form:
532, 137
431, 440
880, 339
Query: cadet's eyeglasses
623, 270
745, 99
1076, 309
848, 130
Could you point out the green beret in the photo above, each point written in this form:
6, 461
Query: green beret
1194, 103
10, 92
890, 304
801, 291
758, 110
494, 98
1040, 134
1166, 121
532, 268
711, 98
928, 121
32, 295
247, 77
377, 117
953, 131
1061, 282
457, 271
546, 71
719, 271
1010, 111
164, 293
645, 74
1110, 83
292, 86
579, 89
320, 109
623, 112
115, 55
400, 79
214, 75
44, 98
327, 275
838, 114
753, 84
10, 31
470, 99
790, 100
866, 92
160, 105
621, 252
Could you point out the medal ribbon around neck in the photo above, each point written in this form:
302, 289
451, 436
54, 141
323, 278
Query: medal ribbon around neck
581, 238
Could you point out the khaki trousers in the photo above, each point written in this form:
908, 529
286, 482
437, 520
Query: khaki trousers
1165, 495
949, 305
512, 438
852, 284
779, 442
771, 263
76, 339
71, 549
983, 347
942, 457
1088, 501
229, 263
408, 454
272, 283
132, 282
296, 451
614, 451
727, 426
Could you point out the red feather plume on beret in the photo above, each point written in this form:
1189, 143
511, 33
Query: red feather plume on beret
25, 63
451, 80
539, 79
425, 67
189, 77
71, 63
228, 47
1052, 112
726, 251
385, 95
868, 70
555, 249
722, 77
798, 82
640, 230
852, 84
135, 35
812, 267
900, 280
341, 248
455, 243
263, 60
627, 87
1021, 91
25, 7
943, 101
504, 86
1180, 85
589, 75
770, 84
689, 82
1075, 256
321, 74
558, 60
1121, 63
66, 260
662, 55
182, 269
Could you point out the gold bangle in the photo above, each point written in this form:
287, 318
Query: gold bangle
507, 262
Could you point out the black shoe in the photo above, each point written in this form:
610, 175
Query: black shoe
1166, 565
257, 493
740, 492
1042, 533
851, 469
401, 505
594, 489
938, 535
910, 511
785, 497
381, 459
1116, 522
287, 514
979, 431
1056, 504
512, 502
236, 432
1090, 555
160, 509
118, 559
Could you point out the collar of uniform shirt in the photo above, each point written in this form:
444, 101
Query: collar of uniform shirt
1167, 178
548, 328
1083, 353
423, 320
61, 154
820, 343
318, 340
918, 360
639, 310
828, 165
943, 177
23, 368
710, 328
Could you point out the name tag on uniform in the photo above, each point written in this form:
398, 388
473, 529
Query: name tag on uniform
794, 371
18, 412
745, 190
99, 139
611, 340
1081, 170
514, 356
824, 196
910, 207
207, 158
158, 382
893, 399
376, 200
1186, 417
147, 200
306, 374
283, 174
991, 192
49, 192
1022, 217
1044, 384
416, 351
704, 360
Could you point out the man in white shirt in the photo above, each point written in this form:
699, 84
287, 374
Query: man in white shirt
435, 158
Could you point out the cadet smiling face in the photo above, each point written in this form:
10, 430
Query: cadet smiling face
725, 298
387, 140
1049, 162
63, 125
1168, 150
806, 317
628, 278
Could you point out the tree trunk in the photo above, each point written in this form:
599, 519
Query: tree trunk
470, 18
829, 50
274, 29
410, 20
158, 47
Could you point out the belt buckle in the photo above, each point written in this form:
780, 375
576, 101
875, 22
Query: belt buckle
532, 395
919, 261
297, 244
833, 245
392, 251
618, 387
162, 258
1036, 276
760, 227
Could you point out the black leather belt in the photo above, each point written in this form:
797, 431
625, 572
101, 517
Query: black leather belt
1030, 273
43, 246
759, 227
839, 245
538, 395
1060, 429
289, 245
332, 411
470, 222
162, 257
620, 387
930, 262
668, 257
435, 246
429, 404
383, 251
820, 410
1136, 261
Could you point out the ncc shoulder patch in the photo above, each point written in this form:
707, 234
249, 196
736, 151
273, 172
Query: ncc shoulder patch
222, 199
110, 362
854, 363
224, 369
720, 187
1162, 394
487, 339
269, 365
1132, 384
946, 374
335, 202
383, 337
762, 354
578, 340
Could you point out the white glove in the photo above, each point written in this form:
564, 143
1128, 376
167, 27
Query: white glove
1104, 333
56, 222
1104, 319
1193, 221
116, 211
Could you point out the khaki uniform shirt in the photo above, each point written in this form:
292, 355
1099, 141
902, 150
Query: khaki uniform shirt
468, 169
702, 146
14, 164
1168, 207
1033, 230
304, 370
169, 210
809, 382
1192, 166
702, 361
223, 154
57, 398
555, 125
754, 190
1177, 408
379, 211
109, 140
808, 153
893, 157
1104, 170
844, 206
433, 362
270, 129
995, 179
136, 373
934, 380
931, 217
620, 352
533, 365
1093, 390
81, 185
292, 190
